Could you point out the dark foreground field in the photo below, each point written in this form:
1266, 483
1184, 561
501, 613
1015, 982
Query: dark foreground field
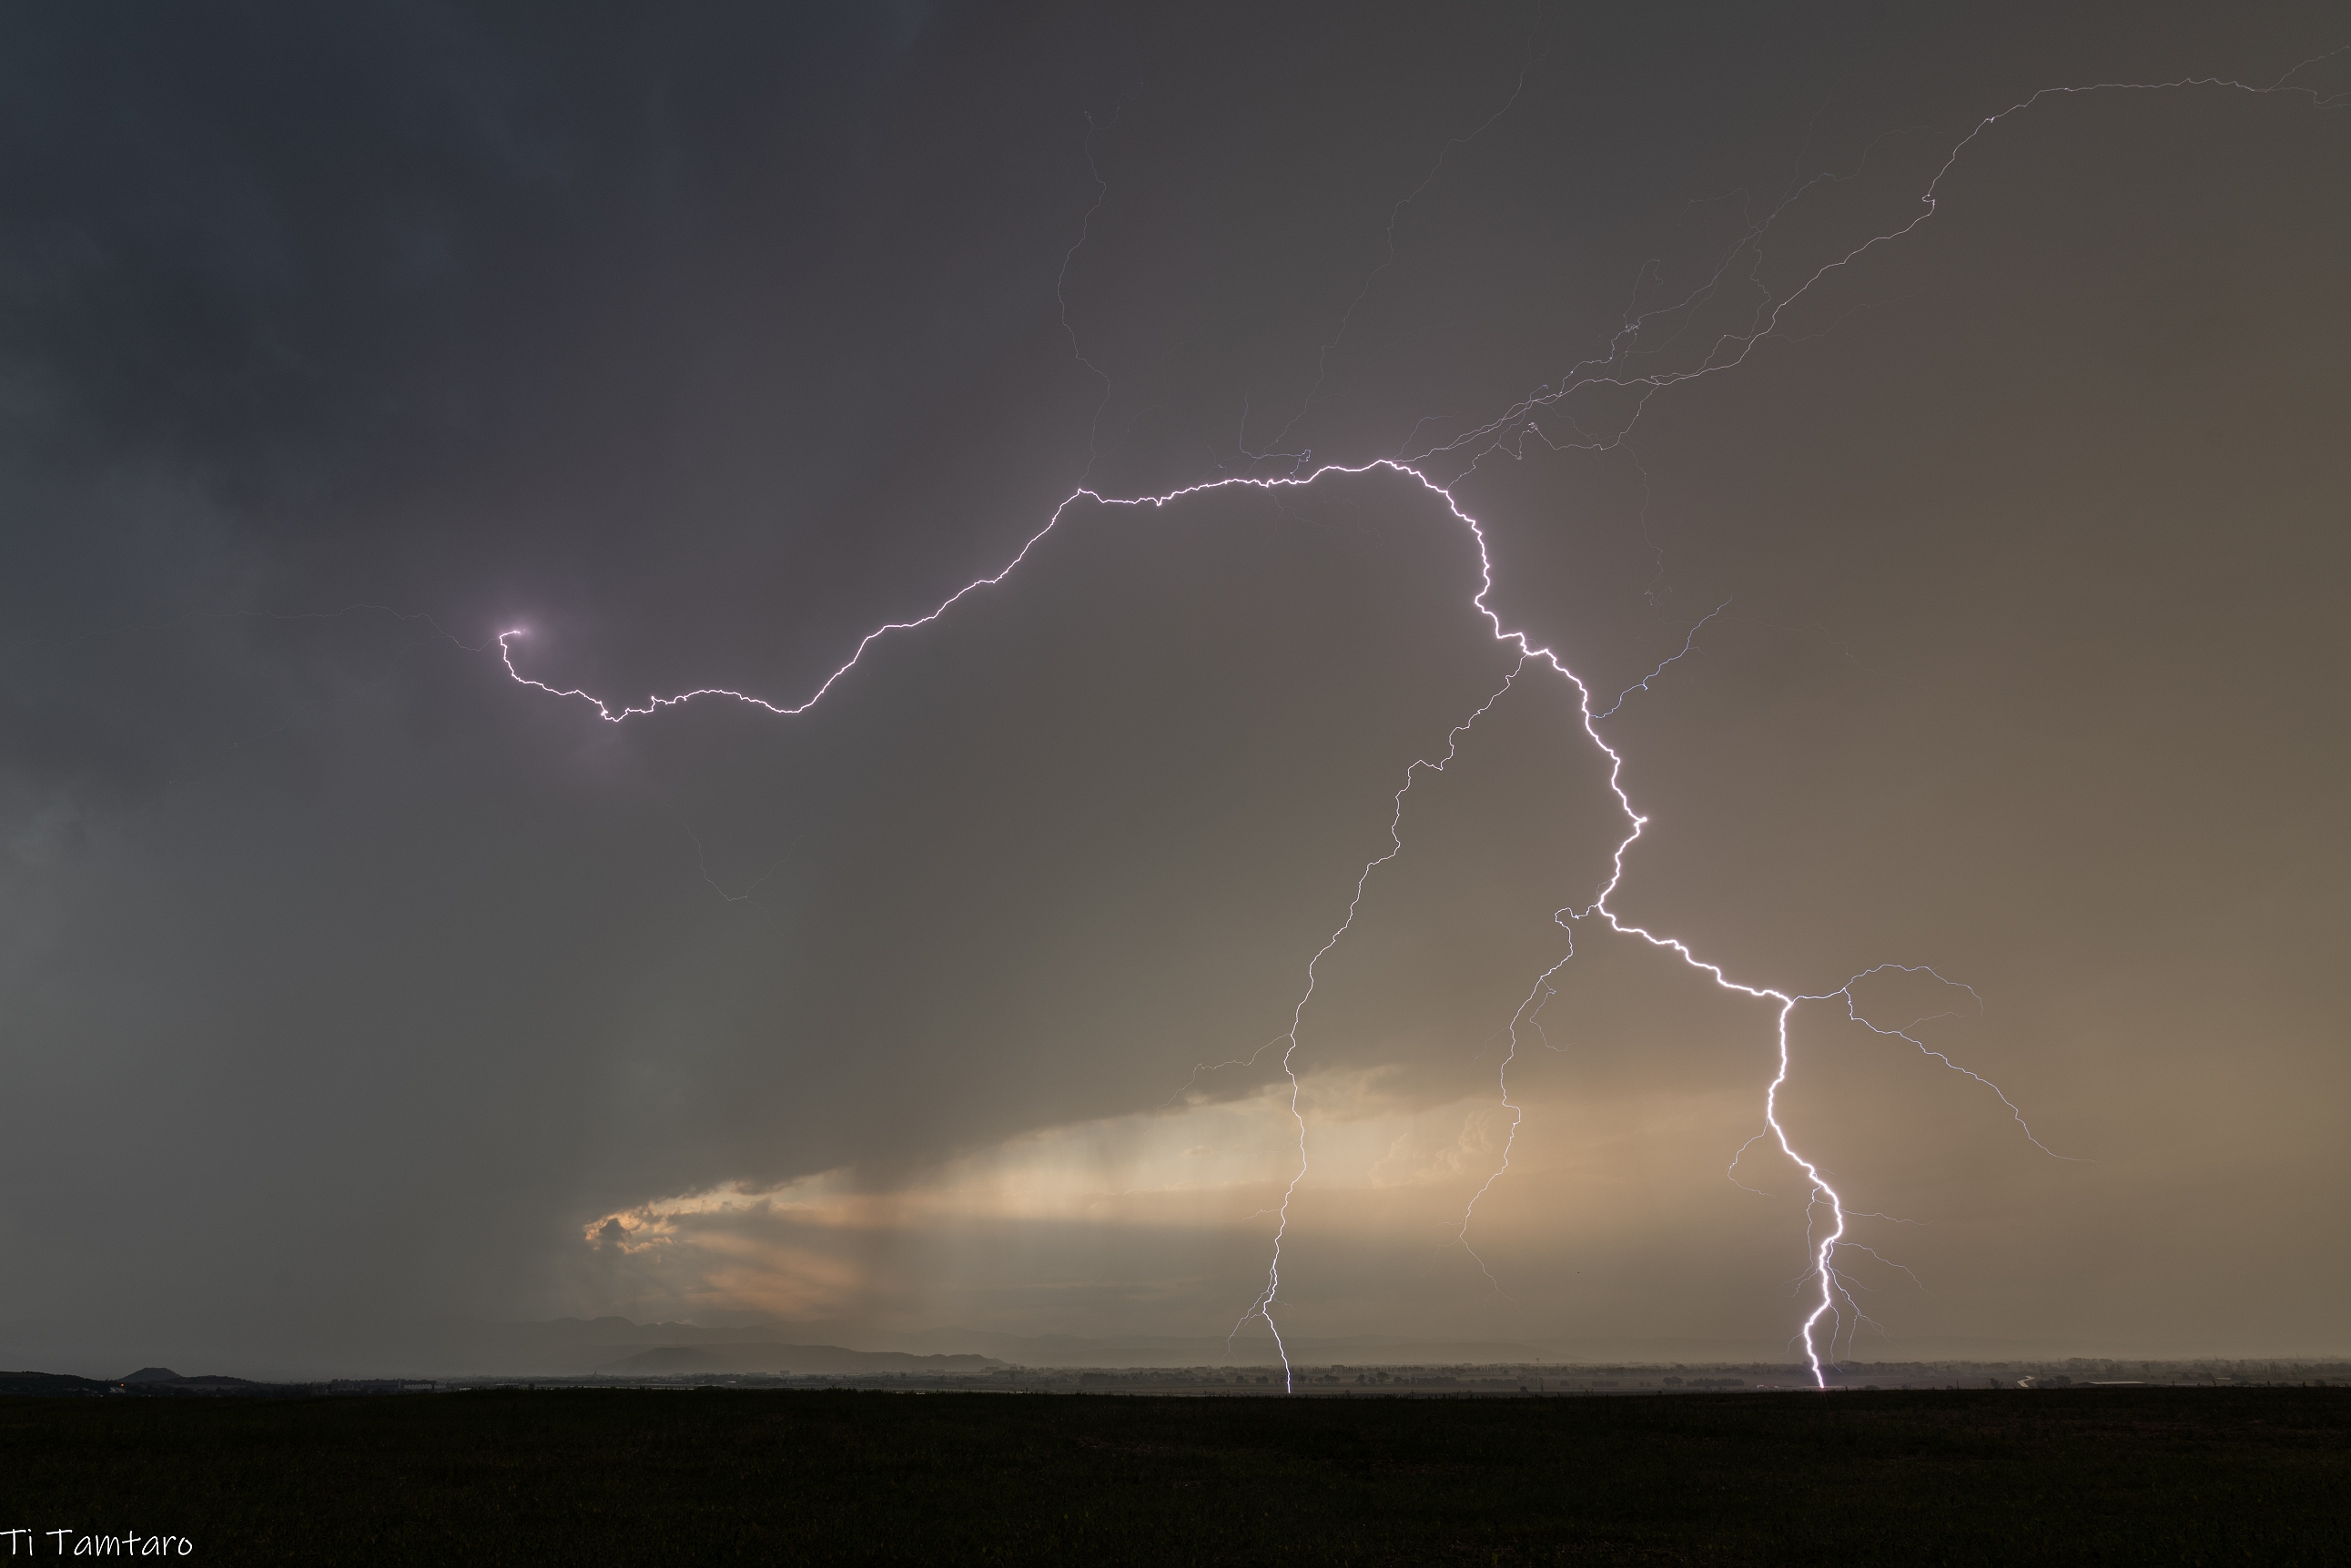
2122, 1476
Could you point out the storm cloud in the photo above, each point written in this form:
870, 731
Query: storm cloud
344, 980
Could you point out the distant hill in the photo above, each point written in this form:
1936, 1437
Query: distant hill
48, 1384
212, 1384
673, 1360
154, 1374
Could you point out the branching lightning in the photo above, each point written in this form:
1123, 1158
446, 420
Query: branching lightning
1530, 1012
1263, 1306
1833, 1311
1689, 642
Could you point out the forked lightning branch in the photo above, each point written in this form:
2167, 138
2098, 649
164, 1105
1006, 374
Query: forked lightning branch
1833, 1313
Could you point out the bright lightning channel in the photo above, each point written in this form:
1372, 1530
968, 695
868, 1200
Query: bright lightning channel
1827, 1213
1823, 1249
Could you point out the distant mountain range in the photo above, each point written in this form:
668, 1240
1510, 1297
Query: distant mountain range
146, 1380
573, 1347
576, 1347
793, 1358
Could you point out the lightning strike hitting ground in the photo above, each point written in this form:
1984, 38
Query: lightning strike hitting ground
1827, 1214
1832, 1285
1263, 1306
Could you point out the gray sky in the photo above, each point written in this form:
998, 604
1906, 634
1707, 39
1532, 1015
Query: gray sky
344, 980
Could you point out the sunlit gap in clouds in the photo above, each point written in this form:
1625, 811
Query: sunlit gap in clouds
1147, 1196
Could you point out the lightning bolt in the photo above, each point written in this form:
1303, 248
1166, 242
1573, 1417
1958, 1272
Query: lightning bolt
1263, 1306
1827, 1214
1530, 1010
1689, 642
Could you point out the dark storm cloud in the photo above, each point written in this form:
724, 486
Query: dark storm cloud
345, 976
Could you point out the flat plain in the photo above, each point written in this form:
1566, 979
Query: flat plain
2138, 1476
